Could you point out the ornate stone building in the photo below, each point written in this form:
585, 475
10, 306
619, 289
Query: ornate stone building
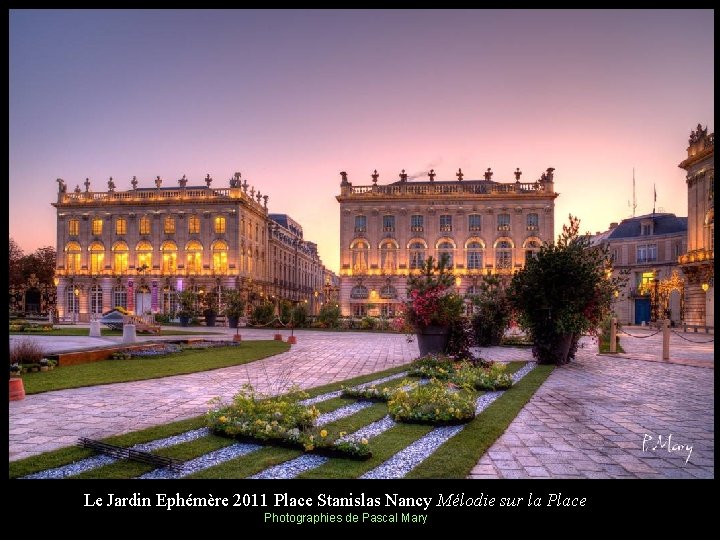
697, 263
388, 231
647, 249
138, 248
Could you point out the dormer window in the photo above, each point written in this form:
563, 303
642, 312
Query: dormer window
646, 228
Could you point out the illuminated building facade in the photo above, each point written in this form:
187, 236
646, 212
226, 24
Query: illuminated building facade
388, 231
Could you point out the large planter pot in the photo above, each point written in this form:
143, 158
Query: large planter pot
184, 320
433, 339
210, 319
17, 389
233, 322
555, 351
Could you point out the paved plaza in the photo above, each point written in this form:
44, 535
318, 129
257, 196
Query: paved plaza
589, 419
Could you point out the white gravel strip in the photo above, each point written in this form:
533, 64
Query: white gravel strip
94, 462
342, 412
204, 462
520, 373
72, 468
290, 469
380, 381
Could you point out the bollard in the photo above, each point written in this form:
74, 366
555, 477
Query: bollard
129, 335
666, 340
95, 329
613, 335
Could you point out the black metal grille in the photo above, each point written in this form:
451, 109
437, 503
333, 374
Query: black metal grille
128, 453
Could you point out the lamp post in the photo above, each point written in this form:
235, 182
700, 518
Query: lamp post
76, 305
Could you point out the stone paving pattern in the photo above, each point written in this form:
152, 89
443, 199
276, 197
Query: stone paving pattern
590, 418
587, 421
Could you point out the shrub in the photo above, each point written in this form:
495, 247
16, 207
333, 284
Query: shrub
299, 316
492, 378
432, 403
492, 312
162, 318
368, 323
281, 420
234, 304
329, 315
25, 351
433, 366
262, 314
369, 393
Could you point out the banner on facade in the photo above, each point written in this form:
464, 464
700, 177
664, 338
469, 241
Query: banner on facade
154, 296
130, 296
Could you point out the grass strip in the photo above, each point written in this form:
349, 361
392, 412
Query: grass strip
140, 369
63, 456
457, 457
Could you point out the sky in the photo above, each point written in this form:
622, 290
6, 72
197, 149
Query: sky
291, 98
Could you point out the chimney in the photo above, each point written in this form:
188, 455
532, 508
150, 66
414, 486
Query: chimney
613, 225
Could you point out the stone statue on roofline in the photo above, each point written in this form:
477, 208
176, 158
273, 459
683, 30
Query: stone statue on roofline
62, 186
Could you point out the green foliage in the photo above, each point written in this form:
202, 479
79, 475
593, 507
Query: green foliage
369, 393
209, 302
262, 314
433, 366
162, 318
187, 303
368, 323
460, 340
563, 291
329, 315
432, 403
234, 304
492, 312
490, 378
431, 301
299, 316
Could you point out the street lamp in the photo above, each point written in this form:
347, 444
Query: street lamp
76, 305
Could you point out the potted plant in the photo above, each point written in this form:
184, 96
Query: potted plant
562, 293
187, 302
432, 308
492, 312
210, 307
234, 307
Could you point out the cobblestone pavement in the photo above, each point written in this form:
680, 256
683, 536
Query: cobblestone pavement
608, 417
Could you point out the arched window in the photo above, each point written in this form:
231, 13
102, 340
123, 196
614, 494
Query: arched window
97, 257
120, 257
360, 250
194, 224
120, 297
447, 249
532, 247
503, 255
418, 251
193, 250
359, 292
96, 300
388, 292
145, 225
474, 255
73, 301
388, 255
169, 302
219, 256
144, 255
169, 257
72, 257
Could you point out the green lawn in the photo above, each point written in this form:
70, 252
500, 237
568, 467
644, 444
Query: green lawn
108, 332
454, 459
140, 369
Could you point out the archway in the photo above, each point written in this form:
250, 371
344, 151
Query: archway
32, 300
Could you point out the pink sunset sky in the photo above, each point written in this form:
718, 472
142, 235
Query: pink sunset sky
291, 98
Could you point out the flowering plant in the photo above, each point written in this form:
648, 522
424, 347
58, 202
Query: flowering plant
431, 301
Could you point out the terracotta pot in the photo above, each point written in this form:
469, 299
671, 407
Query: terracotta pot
278, 337
17, 389
292, 340
433, 339
237, 337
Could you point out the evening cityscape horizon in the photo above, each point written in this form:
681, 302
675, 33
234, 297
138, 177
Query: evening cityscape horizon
291, 98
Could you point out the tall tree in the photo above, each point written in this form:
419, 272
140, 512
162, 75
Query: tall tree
16, 255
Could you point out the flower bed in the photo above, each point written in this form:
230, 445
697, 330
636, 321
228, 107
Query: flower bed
370, 393
281, 421
433, 366
434, 403
492, 378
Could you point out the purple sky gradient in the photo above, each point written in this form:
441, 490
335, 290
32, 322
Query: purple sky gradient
290, 98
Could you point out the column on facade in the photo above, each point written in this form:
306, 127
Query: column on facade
107, 290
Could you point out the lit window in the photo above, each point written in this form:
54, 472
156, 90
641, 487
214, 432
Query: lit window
445, 223
96, 300
120, 297
446, 249
97, 258
194, 258
120, 258
503, 222
144, 255
72, 257
97, 226
417, 255
417, 222
219, 256
503, 255
360, 251
388, 255
360, 223
120, 226
194, 224
474, 222
169, 257
474, 256
169, 225
74, 227
220, 226
145, 225
532, 221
